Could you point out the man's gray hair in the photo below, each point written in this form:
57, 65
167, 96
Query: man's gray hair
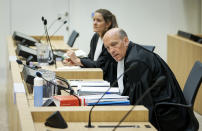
122, 33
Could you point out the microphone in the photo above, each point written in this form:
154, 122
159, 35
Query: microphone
20, 62
60, 78
42, 18
40, 75
160, 81
133, 66
59, 86
52, 61
67, 83
59, 28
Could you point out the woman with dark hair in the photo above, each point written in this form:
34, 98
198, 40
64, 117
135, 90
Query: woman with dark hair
98, 57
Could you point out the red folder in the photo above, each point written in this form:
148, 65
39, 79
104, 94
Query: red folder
68, 101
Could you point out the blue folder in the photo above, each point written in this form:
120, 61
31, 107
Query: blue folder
110, 103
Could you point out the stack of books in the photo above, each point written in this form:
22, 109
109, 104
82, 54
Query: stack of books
108, 99
67, 101
95, 88
79, 83
83, 91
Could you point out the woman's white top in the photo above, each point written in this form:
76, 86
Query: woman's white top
98, 49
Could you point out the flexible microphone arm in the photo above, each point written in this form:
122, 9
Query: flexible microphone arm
59, 18
89, 119
158, 82
58, 77
59, 86
40, 75
59, 28
42, 18
67, 83
48, 41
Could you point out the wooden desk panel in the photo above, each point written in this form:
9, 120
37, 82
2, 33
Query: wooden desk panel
182, 54
99, 114
80, 126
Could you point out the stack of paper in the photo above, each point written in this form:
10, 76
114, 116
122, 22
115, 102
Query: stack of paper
98, 90
80, 53
68, 67
80, 83
108, 99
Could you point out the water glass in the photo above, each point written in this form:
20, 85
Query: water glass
42, 54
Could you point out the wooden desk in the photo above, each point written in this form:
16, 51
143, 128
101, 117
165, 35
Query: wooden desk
83, 73
57, 42
78, 74
77, 117
24, 117
182, 54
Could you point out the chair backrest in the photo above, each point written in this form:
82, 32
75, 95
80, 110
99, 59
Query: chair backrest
149, 47
72, 38
193, 83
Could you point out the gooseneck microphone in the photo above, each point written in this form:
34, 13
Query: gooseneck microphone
134, 65
59, 28
67, 83
158, 83
20, 62
59, 86
42, 18
52, 61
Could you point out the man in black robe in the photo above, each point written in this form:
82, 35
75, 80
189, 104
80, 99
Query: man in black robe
148, 68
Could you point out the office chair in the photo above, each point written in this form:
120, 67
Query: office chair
190, 90
149, 47
72, 38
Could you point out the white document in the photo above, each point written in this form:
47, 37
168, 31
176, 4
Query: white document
80, 53
89, 83
68, 67
98, 89
107, 96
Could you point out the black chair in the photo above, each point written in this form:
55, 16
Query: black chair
149, 47
72, 38
190, 91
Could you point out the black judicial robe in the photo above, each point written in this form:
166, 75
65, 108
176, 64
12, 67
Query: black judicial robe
150, 67
104, 61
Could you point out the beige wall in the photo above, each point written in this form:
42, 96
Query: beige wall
147, 22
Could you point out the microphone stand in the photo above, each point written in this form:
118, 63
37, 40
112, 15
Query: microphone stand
60, 87
48, 41
59, 18
158, 82
89, 119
